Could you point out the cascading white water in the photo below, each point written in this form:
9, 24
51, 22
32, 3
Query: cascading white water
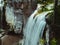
34, 28
14, 18
31, 23
10, 15
37, 30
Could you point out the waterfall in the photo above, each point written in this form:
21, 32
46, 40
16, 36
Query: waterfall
30, 29
14, 18
34, 28
37, 30
9, 15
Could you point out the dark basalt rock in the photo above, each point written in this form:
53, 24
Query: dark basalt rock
54, 25
49, 18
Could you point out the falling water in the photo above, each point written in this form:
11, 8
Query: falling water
37, 30
34, 28
31, 23
9, 15
14, 18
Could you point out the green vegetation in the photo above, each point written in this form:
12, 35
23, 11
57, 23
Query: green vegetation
53, 41
45, 1
50, 1
42, 41
46, 5
46, 8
